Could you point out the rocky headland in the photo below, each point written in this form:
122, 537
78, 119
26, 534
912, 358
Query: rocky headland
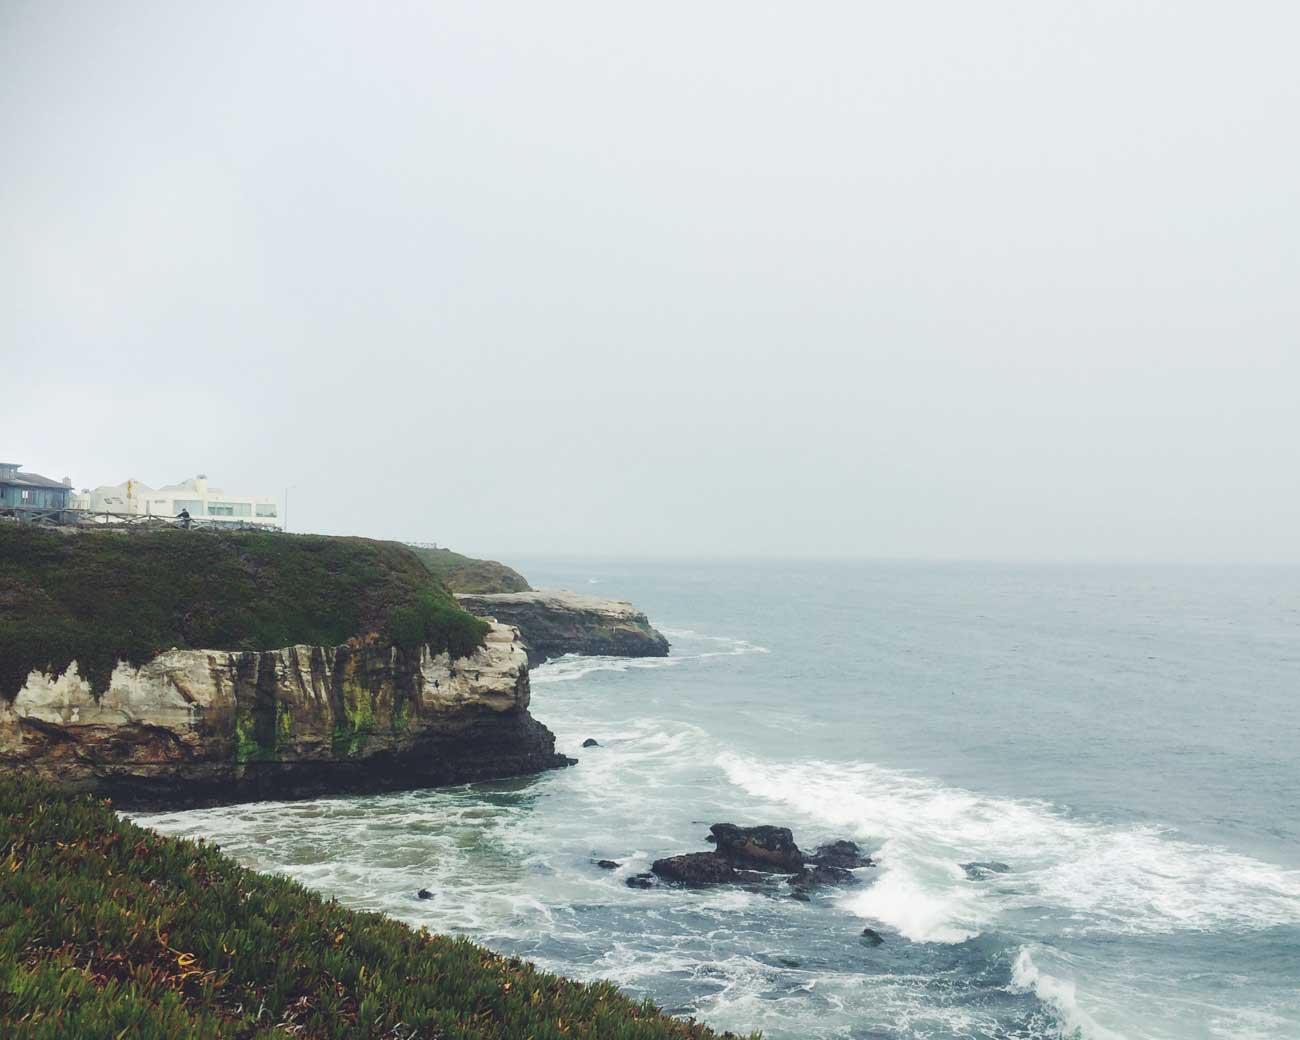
553, 623
185, 667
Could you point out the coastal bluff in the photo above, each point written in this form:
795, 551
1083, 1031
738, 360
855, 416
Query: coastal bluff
179, 668
200, 727
554, 622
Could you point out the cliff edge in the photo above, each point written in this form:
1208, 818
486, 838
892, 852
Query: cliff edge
553, 622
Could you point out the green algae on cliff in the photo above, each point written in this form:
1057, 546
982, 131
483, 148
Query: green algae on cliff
100, 597
109, 930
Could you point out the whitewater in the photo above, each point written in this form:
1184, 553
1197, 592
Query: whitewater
1078, 785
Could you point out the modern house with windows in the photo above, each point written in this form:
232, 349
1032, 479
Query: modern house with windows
31, 489
195, 496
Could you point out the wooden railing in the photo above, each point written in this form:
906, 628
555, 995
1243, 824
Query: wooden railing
131, 521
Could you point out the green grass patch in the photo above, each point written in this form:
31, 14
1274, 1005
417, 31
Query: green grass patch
109, 931
103, 596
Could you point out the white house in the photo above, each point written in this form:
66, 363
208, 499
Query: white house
202, 502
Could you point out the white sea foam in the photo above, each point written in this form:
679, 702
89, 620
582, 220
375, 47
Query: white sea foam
576, 666
1109, 879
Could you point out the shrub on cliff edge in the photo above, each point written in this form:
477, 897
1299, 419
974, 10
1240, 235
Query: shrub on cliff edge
110, 931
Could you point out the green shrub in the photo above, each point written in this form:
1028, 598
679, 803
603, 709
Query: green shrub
442, 625
109, 931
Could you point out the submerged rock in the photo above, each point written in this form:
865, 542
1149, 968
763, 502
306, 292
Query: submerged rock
846, 854
770, 849
553, 623
871, 937
590, 742
641, 881
607, 864
694, 869
984, 870
424, 893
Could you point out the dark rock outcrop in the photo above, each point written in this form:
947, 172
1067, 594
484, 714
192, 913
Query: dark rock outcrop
607, 864
641, 881
694, 869
553, 623
424, 893
845, 854
770, 849
871, 937
591, 742
818, 874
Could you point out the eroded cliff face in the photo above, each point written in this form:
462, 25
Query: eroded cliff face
198, 727
553, 623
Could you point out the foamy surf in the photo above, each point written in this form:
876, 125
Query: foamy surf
1106, 879
1061, 996
574, 666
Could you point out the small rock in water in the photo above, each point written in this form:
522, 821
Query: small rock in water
694, 869
591, 742
641, 881
981, 871
607, 864
846, 854
424, 893
758, 848
788, 962
871, 937
822, 875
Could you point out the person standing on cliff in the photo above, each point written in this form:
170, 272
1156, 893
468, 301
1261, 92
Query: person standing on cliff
184, 517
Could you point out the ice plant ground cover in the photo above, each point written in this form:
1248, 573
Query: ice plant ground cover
108, 930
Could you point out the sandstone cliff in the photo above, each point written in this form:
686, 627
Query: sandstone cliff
553, 623
207, 726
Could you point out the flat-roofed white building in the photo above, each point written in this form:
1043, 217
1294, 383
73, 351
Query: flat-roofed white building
202, 501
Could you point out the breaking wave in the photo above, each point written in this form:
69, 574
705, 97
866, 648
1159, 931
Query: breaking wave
1104, 878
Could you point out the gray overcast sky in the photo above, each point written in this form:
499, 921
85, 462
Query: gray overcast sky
978, 280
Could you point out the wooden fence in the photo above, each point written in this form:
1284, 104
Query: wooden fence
129, 521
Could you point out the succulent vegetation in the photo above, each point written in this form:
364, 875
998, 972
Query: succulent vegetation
466, 574
109, 931
98, 597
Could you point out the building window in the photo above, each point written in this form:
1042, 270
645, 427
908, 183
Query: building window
188, 506
229, 509
266, 509
26, 495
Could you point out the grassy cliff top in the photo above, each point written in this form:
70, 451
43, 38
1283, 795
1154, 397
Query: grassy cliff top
466, 574
103, 596
108, 930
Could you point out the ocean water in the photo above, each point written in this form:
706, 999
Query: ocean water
1126, 741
